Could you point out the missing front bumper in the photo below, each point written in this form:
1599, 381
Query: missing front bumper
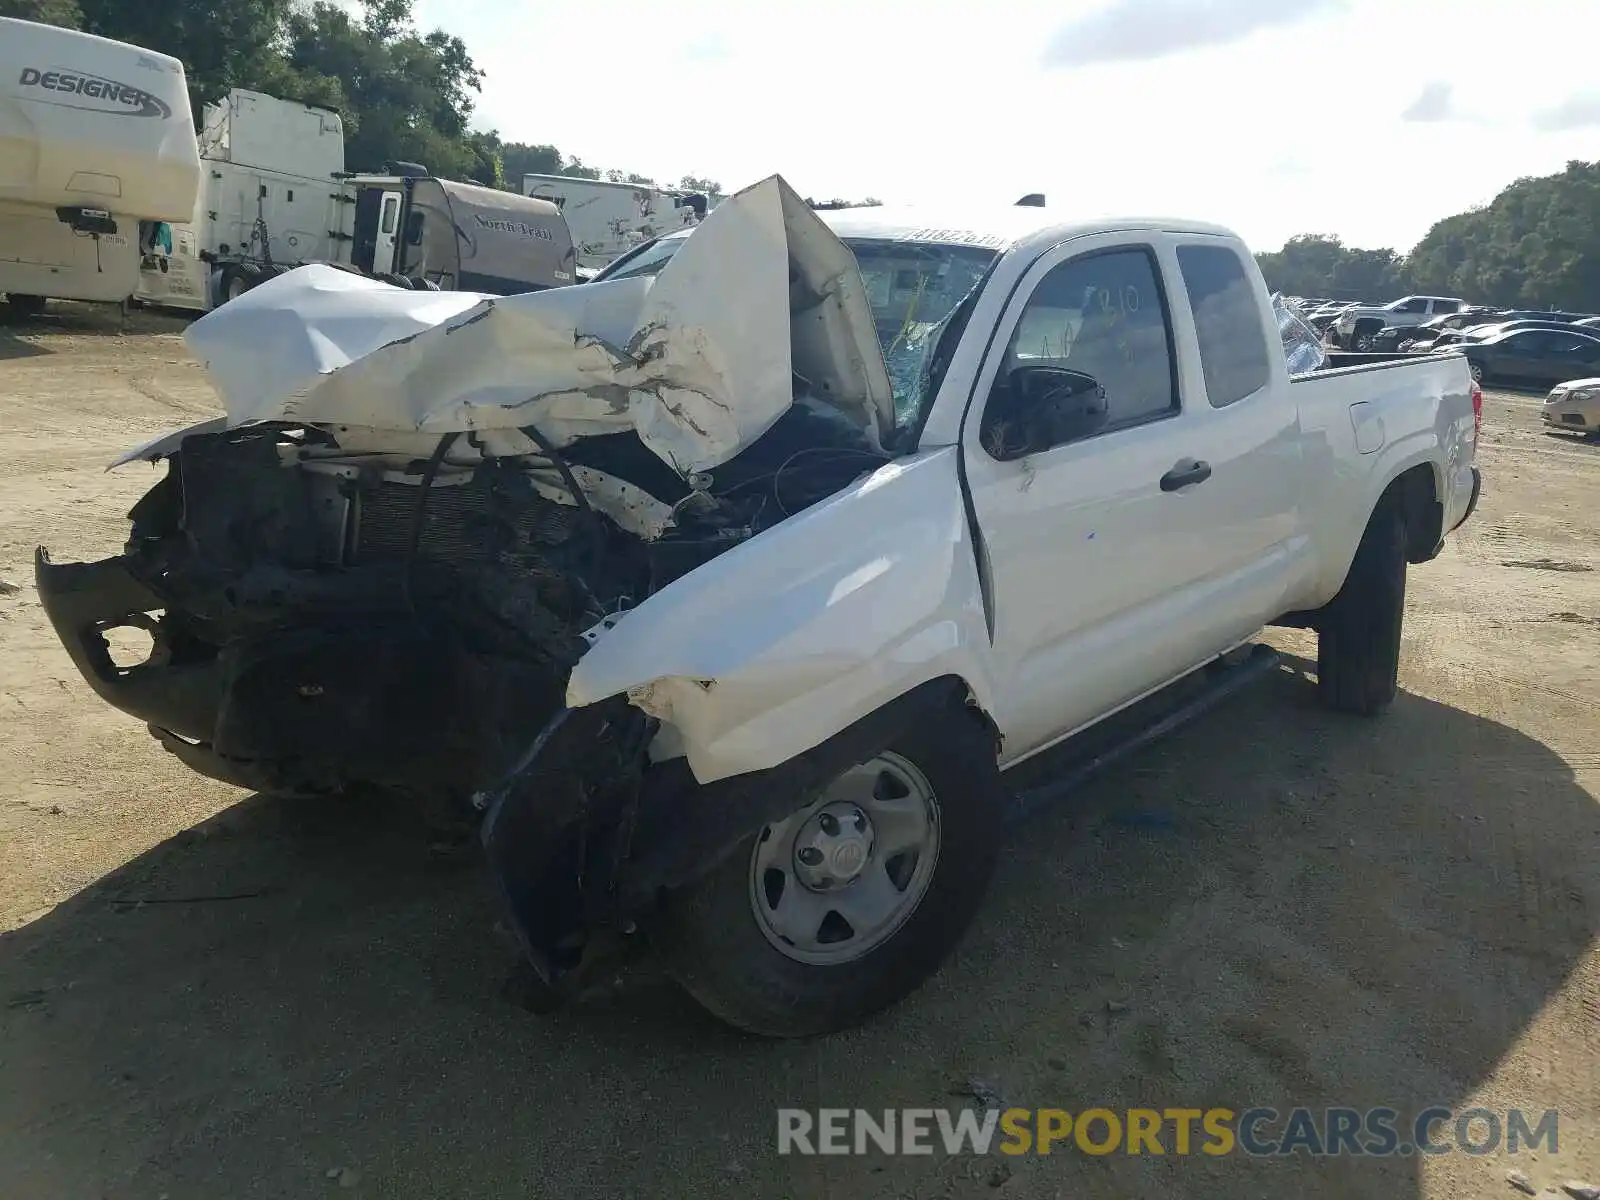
311, 708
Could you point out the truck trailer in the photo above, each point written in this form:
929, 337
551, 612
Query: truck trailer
270, 170
609, 219
276, 196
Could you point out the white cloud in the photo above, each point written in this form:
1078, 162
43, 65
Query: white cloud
711, 48
1575, 112
1433, 103
1277, 126
1136, 30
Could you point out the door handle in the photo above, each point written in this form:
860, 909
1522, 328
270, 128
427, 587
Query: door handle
1185, 473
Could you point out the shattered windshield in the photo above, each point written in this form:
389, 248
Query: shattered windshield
912, 287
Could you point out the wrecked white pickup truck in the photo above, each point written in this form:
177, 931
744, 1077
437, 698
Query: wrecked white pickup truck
730, 583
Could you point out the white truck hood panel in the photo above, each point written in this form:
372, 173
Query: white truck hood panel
699, 360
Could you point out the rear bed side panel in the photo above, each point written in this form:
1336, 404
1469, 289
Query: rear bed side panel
1416, 412
770, 649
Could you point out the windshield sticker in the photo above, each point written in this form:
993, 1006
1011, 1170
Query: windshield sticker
961, 237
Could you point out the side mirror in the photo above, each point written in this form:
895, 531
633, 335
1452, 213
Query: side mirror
414, 229
1043, 407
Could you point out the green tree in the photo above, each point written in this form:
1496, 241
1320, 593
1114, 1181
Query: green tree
522, 159
1314, 264
405, 96
64, 13
222, 43
1536, 245
695, 183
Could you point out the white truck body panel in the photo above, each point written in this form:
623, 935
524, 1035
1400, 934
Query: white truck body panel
91, 123
1104, 589
262, 158
1060, 586
609, 219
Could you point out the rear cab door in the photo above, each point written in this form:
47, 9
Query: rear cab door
1111, 554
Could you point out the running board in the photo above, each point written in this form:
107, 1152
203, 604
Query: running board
1226, 680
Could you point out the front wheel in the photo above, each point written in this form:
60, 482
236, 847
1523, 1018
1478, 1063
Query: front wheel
1365, 342
848, 904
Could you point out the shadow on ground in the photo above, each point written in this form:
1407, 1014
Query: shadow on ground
1294, 909
12, 346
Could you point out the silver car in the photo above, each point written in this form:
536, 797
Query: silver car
1574, 406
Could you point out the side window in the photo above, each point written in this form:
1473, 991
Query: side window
1413, 306
1227, 321
1447, 306
1092, 352
391, 206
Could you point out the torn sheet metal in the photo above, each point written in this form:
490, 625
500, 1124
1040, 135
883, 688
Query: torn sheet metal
697, 360
766, 651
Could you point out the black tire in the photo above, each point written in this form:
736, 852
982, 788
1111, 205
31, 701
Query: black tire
23, 307
235, 283
1476, 370
1364, 342
713, 946
1358, 633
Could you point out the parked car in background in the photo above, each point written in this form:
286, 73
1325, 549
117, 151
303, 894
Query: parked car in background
1357, 326
1485, 332
1563, 318
1323, 318
1541, 356
1574, 406
1410, 337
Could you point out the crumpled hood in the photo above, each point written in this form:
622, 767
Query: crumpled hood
699, 360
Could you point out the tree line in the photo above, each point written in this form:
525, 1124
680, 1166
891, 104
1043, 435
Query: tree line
1535, 245
404, 95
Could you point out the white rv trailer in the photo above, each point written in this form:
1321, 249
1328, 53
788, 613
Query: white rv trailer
609, 219
95, 137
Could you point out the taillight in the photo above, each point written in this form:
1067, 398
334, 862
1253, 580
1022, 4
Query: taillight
1477, 409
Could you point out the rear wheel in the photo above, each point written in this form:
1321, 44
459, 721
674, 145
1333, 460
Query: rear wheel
1358, 633
849, 903
24, 306
1476, 370
235, 283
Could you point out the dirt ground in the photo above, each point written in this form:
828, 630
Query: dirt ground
205, 993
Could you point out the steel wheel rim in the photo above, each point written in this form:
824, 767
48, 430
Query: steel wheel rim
826, 889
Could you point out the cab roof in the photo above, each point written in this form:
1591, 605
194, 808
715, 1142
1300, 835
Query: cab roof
992, 227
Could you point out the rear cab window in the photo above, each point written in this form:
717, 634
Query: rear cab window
1234, 356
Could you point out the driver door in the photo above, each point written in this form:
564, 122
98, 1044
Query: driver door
1089, 568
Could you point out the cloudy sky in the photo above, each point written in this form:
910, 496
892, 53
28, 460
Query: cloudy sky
1365, 118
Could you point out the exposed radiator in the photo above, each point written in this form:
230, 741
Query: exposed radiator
462, 523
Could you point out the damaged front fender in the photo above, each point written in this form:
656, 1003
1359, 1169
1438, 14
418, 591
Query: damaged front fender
770, 649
